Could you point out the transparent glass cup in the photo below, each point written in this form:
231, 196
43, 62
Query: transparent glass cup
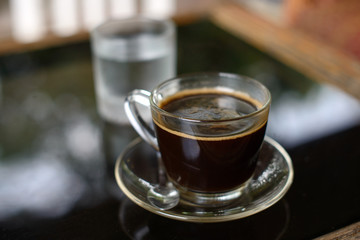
208, 129
130, 53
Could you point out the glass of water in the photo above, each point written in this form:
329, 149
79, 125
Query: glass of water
130, 53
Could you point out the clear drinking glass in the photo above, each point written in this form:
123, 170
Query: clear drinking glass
130, 53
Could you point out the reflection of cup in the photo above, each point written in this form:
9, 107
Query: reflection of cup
137, 223
130, 53
209, 129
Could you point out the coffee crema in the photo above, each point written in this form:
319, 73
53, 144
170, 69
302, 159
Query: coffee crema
217, 155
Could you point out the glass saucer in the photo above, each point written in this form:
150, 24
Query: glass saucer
137, 167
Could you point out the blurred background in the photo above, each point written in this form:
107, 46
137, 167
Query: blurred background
57, 154
42, 23
284, 43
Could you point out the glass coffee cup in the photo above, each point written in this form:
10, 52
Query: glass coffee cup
208, 129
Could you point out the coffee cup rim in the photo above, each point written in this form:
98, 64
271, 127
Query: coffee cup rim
263, 108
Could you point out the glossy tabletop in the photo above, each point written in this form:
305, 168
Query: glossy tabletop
57, 155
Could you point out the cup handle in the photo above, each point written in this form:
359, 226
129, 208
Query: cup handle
146, 131
164, 195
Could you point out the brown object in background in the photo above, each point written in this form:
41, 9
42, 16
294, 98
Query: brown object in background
351, 232
335, 21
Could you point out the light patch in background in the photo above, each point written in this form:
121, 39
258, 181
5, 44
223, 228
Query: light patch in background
27, 20
64, 17
50, 183
59, 166
83, 140
291, 119
158, 8
93, 12
41, 184
122, 9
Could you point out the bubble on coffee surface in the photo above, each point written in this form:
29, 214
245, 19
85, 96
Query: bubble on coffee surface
210, 107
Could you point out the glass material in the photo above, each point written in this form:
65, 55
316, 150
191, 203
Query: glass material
130, 53
136, 170
207, 126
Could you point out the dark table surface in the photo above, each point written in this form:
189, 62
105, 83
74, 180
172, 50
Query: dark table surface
57, 156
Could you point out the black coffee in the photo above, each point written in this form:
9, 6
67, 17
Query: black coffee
211, 157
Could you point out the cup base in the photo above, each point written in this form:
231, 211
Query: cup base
209, 200
137, 169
